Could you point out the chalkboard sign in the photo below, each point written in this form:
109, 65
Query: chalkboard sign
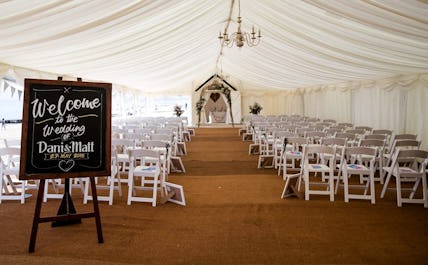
66, 129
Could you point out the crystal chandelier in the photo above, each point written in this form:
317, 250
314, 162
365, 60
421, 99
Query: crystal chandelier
240, 37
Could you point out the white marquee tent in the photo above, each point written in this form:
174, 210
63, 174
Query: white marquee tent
364, 62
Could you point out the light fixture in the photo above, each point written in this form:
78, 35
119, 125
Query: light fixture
240, 37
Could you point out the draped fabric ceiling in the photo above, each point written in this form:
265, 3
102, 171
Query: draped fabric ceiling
171, 46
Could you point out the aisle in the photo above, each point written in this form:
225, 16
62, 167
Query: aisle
221, 170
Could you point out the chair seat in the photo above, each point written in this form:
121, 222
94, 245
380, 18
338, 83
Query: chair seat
293, 154
357, 168
404, 171
318, 168
152, 170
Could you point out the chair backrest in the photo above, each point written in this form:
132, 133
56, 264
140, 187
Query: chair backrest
354, 154
345, 124
405, 136
319, 150
406, 144
9, 157
360, 150
376, 136
382, 131
290, 128
145, 131
168, 131
302, 131
297, 141
421, 154
130, 128
367, 129
332, 131
312, 119
314, 136
348, 136
372, 142
144, 155
152, 144
133, 136
410, 155
121, 145
12, 142
359, 131
318, 127
161, 137
325, 124
334, 141
282, 134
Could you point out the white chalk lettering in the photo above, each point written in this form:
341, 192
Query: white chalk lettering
61, 108
72, 147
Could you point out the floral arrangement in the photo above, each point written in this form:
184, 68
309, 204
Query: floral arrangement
178, 110
199, 106
255, 108
226, 92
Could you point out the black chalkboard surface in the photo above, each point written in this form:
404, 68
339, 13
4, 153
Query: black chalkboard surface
66, 129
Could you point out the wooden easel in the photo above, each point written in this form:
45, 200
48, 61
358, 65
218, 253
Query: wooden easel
66, 213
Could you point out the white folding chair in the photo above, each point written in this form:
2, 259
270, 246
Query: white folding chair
266, 155
353, 163
278, 144
290, 156
403, 144
326, 166
11, 188
408, 166
121, 146
340, 144
380, 145
293, 152
164, 149
109, 184
144, 164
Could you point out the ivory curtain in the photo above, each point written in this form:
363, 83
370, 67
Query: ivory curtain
399, 104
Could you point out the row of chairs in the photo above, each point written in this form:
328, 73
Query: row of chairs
147, 165
146, 162
381, 145
408, 166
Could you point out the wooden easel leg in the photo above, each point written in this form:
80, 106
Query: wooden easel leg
96, 210
36, 216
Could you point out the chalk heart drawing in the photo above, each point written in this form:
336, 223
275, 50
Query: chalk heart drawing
66, 165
